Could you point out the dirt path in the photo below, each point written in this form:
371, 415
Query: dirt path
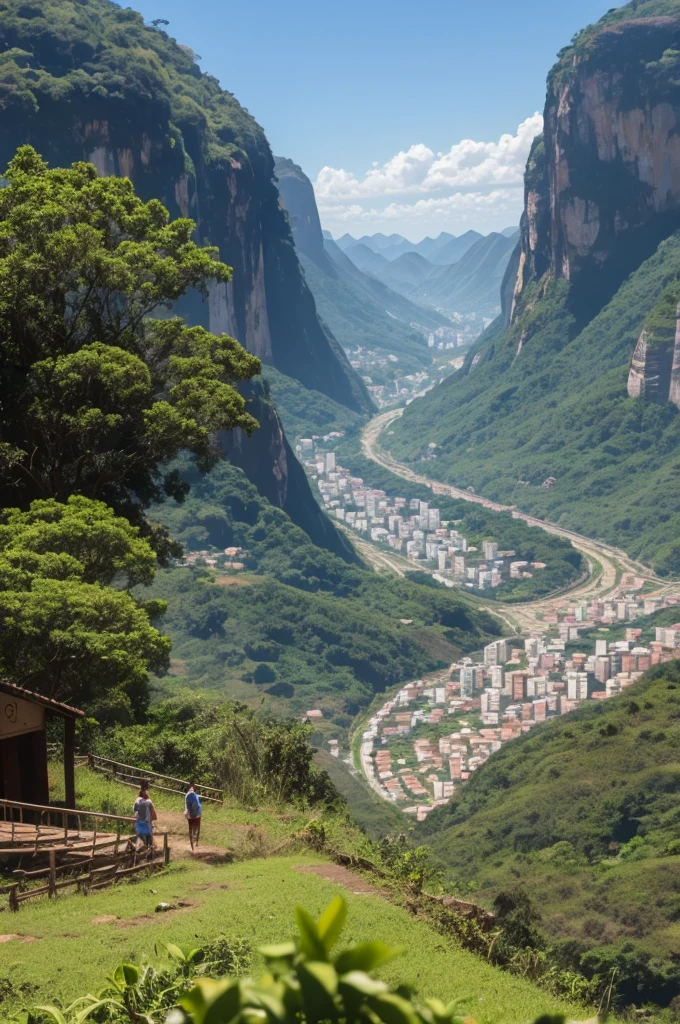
175, 824
340, 876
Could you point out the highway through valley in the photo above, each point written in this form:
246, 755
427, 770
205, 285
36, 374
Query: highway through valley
607, 564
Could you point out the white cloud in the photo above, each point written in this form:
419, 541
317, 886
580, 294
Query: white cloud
419, 170
465, 203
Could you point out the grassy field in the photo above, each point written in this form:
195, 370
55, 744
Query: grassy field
78, 940
66, 947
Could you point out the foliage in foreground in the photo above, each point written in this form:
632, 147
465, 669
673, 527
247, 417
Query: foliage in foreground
223, 744
95, 394
65, 629
306, 981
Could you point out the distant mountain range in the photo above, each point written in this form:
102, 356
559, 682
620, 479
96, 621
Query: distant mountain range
454, 275
358, 307
442, 250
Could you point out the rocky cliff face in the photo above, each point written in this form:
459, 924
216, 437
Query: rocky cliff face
603, 182
655, 367
297, 193
269, 462
87, 80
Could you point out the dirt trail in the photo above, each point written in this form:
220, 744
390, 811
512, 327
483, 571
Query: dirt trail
175, 824
340, 876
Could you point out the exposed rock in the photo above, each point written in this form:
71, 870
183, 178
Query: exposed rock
603, 182
173, 152
655, 367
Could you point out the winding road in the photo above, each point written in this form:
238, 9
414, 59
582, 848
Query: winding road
607, 564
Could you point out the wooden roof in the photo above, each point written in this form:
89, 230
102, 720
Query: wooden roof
65, 710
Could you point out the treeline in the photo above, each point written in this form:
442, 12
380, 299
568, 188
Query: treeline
291, 650
223, 744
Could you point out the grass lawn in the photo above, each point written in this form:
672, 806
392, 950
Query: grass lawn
74, 950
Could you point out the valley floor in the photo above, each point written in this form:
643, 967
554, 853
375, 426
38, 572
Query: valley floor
607, 564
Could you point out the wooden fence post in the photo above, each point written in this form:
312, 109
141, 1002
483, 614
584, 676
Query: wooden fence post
52, 879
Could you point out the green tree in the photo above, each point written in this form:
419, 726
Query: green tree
96, 395
64, 629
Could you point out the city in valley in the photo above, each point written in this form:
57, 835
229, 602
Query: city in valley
426, 739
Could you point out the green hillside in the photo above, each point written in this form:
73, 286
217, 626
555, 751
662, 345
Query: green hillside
615, 459
300, 628
584, 814
305, 412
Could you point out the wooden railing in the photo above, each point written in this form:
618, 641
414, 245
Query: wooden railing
86, 849
16, 812
130, 775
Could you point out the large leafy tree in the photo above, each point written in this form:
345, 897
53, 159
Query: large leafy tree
97, 393
69, 626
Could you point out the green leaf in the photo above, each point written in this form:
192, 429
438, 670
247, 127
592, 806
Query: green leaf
363, 983
319, 984
127, 975
332, 921
176, 952
282, 951
212, 1002
367, 956
393, 1009
53, 1012
311, 944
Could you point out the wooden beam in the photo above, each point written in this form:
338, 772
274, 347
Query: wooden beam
69, 762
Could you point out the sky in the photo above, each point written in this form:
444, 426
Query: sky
409, 117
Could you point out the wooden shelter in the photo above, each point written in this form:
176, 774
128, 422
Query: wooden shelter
23, 745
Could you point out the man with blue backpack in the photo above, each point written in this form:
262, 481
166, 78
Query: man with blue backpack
192, 812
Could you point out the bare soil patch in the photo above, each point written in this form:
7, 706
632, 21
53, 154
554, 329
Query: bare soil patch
17, 938
104, 919
340, 876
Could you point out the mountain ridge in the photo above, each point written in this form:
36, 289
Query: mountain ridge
599, 245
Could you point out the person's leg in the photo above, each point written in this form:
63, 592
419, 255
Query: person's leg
198, 830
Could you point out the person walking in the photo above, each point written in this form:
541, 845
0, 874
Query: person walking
145, 815
192, 812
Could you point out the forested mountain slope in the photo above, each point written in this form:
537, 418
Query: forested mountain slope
583, 813
547, 396
299, 628
473, 283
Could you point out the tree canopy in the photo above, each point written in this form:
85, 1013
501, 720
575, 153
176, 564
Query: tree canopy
64, 629
96, 394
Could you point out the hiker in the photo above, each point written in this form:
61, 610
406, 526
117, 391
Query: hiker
145, 814
192, 812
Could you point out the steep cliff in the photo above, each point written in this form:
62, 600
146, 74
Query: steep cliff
655, 367
269, 462
551, 394
86, 79
359, 309
603, 183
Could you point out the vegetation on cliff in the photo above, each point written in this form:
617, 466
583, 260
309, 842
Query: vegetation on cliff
613, 459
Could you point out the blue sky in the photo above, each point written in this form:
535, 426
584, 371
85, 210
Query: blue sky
373, 98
